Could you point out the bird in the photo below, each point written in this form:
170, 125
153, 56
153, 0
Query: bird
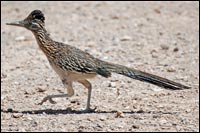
75, 65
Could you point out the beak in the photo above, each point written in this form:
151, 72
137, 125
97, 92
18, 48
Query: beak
17, 23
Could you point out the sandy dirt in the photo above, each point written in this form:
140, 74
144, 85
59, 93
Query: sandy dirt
157, 37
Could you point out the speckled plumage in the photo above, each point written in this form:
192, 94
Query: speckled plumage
73, 64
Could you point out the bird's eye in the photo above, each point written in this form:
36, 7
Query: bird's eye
37, 16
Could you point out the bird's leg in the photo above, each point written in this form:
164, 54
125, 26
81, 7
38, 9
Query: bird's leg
70, 92
88, 85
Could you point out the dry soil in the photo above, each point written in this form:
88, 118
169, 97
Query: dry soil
156, 37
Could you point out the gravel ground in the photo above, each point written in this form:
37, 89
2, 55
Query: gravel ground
157, 37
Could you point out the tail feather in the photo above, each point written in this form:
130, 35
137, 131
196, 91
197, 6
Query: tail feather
143, 76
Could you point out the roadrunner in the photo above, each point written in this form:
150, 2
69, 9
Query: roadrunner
74, 65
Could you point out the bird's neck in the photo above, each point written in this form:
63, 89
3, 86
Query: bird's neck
46, 44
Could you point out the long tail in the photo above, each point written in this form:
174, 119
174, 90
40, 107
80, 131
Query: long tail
143, 76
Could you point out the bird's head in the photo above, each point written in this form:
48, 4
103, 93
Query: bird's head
34, 21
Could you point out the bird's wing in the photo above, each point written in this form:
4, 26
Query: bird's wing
74, 59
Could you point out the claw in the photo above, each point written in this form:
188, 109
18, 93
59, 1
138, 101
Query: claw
46, 99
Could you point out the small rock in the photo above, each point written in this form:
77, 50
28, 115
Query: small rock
119, 114
157, 11
17, 115
9, 110
140, 111
3, 75
164, 47
102, 118
154, 56
139, 25
160, 33
127, 107
81, 127
112, 84
126, 38
175, 49
34, 123
99, 126
156, 89
90, 119
135, 126
154, 53
41, 89
118, 92
69, 110
16, 83
115, 41
188, 110
74, 101
28, 92
30, 118
115, 17
178, 33
17, 9
171, 69
20, 38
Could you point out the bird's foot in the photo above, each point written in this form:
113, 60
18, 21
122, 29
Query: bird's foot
88, 110
47, 98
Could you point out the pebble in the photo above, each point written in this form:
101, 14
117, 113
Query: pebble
41, 89
119, 114
156, 89
176, 49
115, 41
171, 69
164, 47
29, 118
115, 17
157, 11
112, 84
33, 123
102, 118
118, 92
74, 101
16, 83
17, 115
135, 126
9, 110
140, 111
20, 38
154, 53
3, 76
126, 38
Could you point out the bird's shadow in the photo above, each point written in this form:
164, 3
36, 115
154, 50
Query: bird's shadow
70, 111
